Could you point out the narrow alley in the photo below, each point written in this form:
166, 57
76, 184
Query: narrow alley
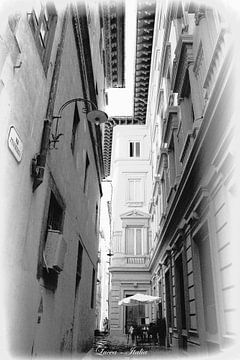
119, 190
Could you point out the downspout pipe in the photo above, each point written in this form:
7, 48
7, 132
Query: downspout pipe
39, 161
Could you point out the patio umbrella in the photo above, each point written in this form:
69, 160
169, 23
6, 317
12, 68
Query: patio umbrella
138, 299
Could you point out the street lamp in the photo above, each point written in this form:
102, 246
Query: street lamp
110, 253
94, 116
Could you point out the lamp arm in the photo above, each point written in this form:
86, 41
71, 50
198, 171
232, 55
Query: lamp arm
74, 100
59, 115
39, 161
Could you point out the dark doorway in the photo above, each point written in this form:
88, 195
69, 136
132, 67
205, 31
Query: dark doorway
180, 302
207, 284
168, 299
134, 315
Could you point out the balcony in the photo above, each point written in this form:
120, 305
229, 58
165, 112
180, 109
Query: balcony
136, 260
123, 261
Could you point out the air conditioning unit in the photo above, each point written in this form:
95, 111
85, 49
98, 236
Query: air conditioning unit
55, 250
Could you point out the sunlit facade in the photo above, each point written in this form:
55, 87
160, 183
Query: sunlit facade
190, 217
131, 179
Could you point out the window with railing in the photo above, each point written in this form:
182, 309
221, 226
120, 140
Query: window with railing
136, 241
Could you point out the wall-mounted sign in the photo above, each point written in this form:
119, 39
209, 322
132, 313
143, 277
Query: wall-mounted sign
15, 144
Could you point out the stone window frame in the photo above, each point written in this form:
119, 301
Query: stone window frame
134, 151
49, 280
135, 228
137, 199
135, 219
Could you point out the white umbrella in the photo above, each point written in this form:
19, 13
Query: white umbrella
138, 299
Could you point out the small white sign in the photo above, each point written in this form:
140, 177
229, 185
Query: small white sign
15, 144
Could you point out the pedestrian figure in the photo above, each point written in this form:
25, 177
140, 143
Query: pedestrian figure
131, 334
138, 334
152, 333
105, 324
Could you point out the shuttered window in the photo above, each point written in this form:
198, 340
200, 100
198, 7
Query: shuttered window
136, 241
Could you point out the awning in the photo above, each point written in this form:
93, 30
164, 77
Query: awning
138, 299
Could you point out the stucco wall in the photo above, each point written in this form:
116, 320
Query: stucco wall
124, 166
23, 104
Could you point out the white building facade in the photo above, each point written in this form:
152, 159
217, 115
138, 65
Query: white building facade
130, 243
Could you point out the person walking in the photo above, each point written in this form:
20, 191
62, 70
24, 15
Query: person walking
105, 324
131, 334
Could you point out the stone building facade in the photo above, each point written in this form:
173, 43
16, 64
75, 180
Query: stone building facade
50, 195
191, 116
190, 121
131, 179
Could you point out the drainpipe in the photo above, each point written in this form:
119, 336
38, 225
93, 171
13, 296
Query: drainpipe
110, 254
39, 161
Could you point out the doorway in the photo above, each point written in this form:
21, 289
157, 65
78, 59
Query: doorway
134, 315
180, 303
206, 295
168, 299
